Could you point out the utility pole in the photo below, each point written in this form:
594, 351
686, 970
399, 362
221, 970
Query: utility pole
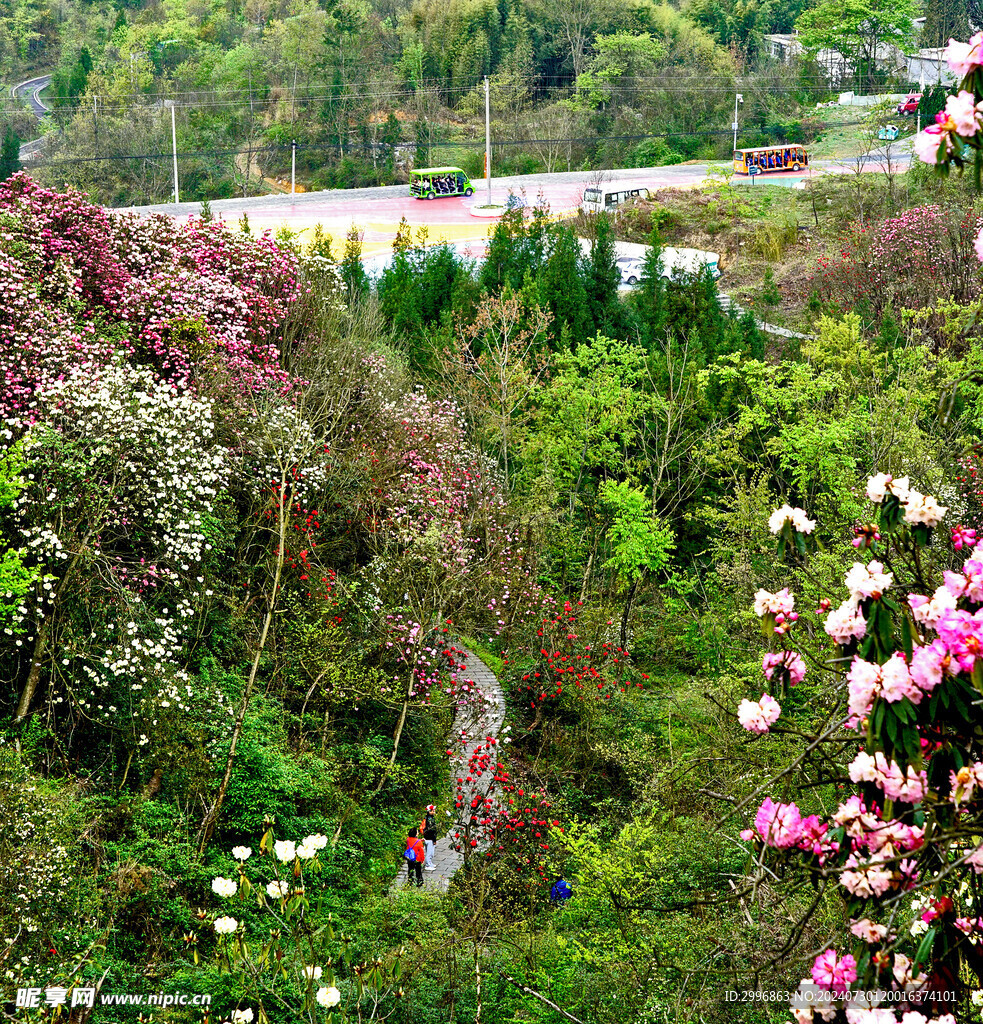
293, 167
918, 109
172, 104
738, 98
488, 138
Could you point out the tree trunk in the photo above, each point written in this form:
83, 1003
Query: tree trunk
624, 615
398, 733
40, 645
211, 819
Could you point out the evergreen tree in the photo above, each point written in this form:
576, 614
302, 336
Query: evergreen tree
352, 271
560, 288
945, 20
649, 299
9, 154
603, 281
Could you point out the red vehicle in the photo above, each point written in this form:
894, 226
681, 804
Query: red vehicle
910, 103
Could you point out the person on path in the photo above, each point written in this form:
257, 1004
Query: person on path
414, 854
429, 824
560, 892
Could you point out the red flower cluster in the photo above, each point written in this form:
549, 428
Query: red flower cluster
564, 659
497, 818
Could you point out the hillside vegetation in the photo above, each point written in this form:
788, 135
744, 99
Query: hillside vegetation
255, 509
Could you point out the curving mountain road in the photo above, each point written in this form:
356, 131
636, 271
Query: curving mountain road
30, 91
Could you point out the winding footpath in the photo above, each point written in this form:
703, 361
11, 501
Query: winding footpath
482, 718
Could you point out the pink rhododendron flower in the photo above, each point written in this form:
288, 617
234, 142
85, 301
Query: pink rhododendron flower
964, 57
926, 144
779, 825
961, 536
757, 716
864, 880
834, 973
962, 633
868, 931
863, 768
863, 684
968, 583
787, 663
975, 859
965, 782
854, 817
896, 681
978, 246
928, 611
964, 113
845, 623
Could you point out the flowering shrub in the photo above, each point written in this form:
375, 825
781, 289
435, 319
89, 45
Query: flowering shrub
272, 935
568, 662
907, 672
195, 301
907, 261
956, 138
498, 819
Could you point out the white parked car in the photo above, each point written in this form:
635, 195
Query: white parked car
675, 261
631, 269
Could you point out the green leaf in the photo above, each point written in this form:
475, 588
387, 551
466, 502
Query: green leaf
907, 639
925, 948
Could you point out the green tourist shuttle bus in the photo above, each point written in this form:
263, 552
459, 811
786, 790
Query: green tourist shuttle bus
769, 159
435, 182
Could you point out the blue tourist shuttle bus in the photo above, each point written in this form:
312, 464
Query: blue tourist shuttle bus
769, 159
435, 182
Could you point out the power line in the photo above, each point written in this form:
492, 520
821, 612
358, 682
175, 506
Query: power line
272, 150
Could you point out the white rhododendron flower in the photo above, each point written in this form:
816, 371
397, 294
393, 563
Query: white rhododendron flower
242, 1016
877, 487
305, 852
867, 580
224, 886
329, 996
225, 925
277, 889
923, 508
285, 850
781, 603
801, 523
241, 852
845, 623
313, 973
317, 841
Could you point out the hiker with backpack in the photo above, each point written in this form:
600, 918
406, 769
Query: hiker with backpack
414, 855
429, 829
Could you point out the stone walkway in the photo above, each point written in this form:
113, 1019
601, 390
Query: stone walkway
479, 720
727, 303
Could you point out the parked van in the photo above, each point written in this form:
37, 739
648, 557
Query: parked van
597, 200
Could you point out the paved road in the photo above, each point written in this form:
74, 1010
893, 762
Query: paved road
377, 211
480, 719
31, 92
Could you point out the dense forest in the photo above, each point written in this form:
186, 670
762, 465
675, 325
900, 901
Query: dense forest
365, 88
